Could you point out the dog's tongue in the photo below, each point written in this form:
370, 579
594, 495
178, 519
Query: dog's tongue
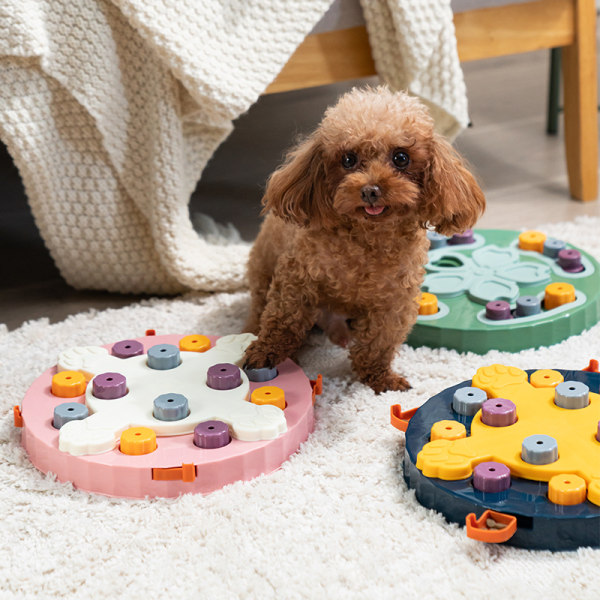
374, 210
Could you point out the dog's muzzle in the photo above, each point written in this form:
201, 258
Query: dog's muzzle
370, 194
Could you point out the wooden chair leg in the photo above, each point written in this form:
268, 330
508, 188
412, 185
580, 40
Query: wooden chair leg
581, 104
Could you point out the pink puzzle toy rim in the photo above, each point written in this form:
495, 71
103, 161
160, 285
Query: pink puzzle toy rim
116, 474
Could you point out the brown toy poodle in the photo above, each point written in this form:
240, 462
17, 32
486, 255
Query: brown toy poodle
344, 240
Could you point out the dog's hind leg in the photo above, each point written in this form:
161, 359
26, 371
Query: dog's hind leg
335, 327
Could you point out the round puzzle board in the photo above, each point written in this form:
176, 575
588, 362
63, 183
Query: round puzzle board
493, 267
90, 451
443, 470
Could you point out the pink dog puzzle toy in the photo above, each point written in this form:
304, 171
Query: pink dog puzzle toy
159, 416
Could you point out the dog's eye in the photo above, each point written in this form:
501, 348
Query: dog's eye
400, 159
349, 160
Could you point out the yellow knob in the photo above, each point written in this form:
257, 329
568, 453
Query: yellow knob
532, 240
594, 492
269, 394
194, 343
68, 384
557, 294
546, 378
138, 440
448, 430
567, 489
428, 304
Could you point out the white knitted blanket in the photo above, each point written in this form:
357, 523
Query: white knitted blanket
111, 110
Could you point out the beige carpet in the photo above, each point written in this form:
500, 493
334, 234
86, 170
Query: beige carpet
336, 521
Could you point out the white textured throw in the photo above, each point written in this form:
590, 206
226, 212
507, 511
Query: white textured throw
414, 49
111, 110
335, 522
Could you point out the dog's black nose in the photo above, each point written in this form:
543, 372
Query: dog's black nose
370, 193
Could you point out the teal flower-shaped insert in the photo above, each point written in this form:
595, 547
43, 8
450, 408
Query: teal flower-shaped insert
491, 273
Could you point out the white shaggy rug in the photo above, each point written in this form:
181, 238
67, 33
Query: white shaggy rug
336, 521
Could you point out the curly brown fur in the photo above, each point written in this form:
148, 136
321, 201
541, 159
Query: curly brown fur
343, 243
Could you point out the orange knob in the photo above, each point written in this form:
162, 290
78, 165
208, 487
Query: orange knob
428, 304
532, 240
269, 394
557, 294
448, 430
545, 378
68, 384
194, 343
138, 440
567, 489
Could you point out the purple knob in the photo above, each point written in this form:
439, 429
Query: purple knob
211, 434
108, 386
223, 376
498, 412
127, 349
466, 237
570, 260
491, 477
498, 310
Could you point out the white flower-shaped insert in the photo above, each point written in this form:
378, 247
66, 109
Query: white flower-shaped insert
101, 431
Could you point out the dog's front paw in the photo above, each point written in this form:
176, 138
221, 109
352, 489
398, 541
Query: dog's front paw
258, 356
387, 382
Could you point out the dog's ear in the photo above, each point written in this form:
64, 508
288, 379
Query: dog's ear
453, 200
296, 191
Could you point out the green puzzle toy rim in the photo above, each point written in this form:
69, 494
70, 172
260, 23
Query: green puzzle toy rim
467, 333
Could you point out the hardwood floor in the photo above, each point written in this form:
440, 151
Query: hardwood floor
522, 171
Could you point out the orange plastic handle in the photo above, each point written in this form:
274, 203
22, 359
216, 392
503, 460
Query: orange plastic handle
400, 419
17, 416
317, 387
592, 367
478, 529
186, 472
